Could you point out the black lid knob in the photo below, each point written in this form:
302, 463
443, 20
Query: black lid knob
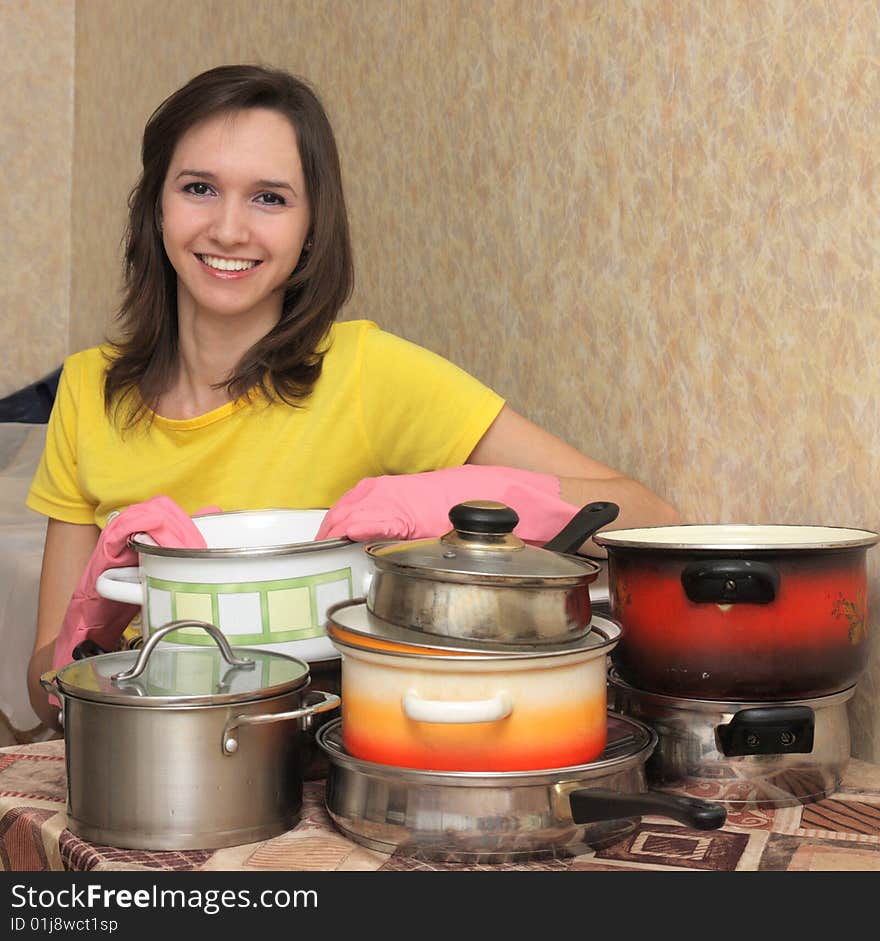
483, 516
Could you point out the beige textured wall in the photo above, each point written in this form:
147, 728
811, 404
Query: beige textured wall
36, 141
652, 225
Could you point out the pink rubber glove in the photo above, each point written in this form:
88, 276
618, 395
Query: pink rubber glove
416, 506
89, 616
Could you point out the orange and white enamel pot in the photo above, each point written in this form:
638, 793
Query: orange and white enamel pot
742, 612
414, 706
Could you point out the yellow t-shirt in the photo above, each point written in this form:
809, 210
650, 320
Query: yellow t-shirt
383, 405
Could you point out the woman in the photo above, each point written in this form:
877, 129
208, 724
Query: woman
232, 384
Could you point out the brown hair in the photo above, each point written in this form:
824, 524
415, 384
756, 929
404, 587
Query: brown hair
287, 361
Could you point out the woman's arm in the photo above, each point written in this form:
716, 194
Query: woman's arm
65, 557
514, 441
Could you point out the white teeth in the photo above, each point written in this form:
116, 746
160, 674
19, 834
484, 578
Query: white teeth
227, 264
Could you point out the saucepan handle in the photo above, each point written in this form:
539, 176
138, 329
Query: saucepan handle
456, 713
592, 804
585, 523
122, 584
47, 681
146, 651
229, 741
49, 684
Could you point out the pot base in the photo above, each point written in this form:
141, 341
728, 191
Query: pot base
217, 839
427, 847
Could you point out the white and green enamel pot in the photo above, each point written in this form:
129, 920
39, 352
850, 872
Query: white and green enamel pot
263, 580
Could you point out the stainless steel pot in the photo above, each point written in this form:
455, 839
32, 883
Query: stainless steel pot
184, 748
744, 754
500, 817
481, 582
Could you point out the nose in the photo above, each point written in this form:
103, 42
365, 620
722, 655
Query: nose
229, 224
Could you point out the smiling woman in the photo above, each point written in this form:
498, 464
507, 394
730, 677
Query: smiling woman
235, 219
230, 383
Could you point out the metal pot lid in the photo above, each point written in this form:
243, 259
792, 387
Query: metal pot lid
630, 743
738, 537
482, 549
182, 676
352, 623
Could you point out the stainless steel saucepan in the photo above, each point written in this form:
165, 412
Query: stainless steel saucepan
481, 582
184, 748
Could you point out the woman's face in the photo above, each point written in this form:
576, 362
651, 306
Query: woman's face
235, 215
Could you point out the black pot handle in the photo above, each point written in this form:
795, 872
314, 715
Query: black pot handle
730, 581
588, 520
768, 730
592, 804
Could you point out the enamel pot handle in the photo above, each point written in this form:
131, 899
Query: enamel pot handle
589, 805
440, 711
730, 581
121, 584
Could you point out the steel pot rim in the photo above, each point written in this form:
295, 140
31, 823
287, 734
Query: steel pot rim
416, 572
726, 705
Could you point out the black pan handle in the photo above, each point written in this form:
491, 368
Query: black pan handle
588, 520
592, 804
730, 581
768, 730
87, 648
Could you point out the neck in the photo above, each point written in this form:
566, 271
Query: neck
210, 348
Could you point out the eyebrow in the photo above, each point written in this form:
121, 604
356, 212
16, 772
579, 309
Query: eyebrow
207, 175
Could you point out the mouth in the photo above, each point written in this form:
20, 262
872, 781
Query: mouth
217, 263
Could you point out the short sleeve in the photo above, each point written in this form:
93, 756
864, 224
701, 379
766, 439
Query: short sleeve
55, 490
420, 411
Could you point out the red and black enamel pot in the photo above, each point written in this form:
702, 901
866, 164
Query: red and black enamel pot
740, 611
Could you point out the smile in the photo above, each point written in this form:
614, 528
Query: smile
227, 264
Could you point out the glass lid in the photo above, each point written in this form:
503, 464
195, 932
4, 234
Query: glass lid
482, 548
165, 674
630, 742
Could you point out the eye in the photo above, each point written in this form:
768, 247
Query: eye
271, 199
198, 188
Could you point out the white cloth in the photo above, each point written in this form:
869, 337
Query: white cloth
22, 533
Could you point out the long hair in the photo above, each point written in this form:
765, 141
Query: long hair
287, 361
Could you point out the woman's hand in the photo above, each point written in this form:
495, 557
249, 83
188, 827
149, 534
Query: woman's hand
416, 506
66, 553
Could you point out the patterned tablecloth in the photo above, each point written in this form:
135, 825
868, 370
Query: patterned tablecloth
841, 832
